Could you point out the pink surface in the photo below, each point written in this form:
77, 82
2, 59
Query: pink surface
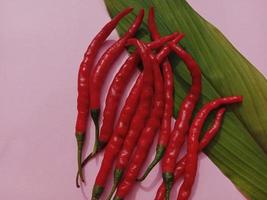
42, 43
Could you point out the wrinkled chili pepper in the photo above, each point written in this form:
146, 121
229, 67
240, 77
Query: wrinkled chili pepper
118, 84
139, 118
83, 81
118, 136
183, 119
180, 165
147, 135
168, 90
192, 143
100, 72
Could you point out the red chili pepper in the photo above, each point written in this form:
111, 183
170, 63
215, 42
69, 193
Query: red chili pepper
83, 81
180, 165
139, 118
147, 135
101, 70
192, 143
118, 136
115, 91
182, 122
165, 129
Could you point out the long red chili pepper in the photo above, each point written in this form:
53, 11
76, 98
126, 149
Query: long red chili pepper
116, 140
165, 129
122, 163
146, 137
139, 118
180, 165
182, 122
116, 89
115, 92
101, 70
192, 145
83, 81
117, 86
118, 136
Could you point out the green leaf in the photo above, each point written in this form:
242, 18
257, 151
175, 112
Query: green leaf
240, 148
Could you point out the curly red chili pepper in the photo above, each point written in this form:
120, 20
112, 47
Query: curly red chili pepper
100, 72
168, 90
147, 135
118, 136
140, 117
83, 81
192, 143
180, 165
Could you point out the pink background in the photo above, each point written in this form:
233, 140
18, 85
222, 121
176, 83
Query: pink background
41, 45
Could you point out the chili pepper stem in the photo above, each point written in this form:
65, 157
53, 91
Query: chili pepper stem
86, 160
97, 191
117, 177
112, 191
117, 198
159, 154
168, 179
80, 137
95, 116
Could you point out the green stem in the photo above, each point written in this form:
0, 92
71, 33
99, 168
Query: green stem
117, 198
159, 154
117, 177
168, 179
112, 191
80, 138
97, 192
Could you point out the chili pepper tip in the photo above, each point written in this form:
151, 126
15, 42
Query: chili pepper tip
80, 137
159, 154
168, 179
97, 191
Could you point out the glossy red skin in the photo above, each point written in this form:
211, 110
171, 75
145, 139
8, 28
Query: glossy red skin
114, 95
180, 165
192, 143
104, 64
117, 87
120, 132
142, 112
85, 69
128, 111
147, 135
168, 86
185, 111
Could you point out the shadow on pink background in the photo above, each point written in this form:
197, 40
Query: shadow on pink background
41, 45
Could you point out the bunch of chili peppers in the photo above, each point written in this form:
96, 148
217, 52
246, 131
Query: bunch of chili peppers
147, 110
